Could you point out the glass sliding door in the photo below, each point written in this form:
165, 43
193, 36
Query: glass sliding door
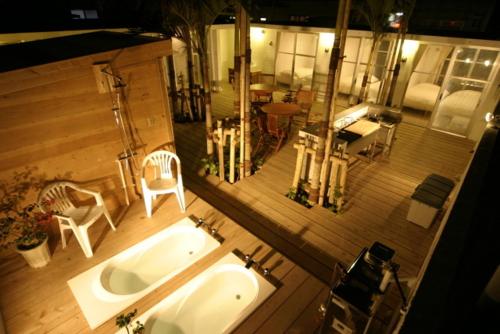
295, 60
469, 72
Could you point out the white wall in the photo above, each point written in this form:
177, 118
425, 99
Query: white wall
225, 52
263, 44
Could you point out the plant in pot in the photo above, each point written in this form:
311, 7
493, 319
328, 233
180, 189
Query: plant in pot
26, 228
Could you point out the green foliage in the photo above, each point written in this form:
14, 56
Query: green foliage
210, 165
299, 195
334, 207
123, 321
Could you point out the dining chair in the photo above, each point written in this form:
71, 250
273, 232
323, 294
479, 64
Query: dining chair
165, 179
305, 99
276, 130
72, 217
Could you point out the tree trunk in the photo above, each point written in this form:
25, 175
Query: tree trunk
243, 91
189, 49
236, 67
397, 68
368, 71
388, 77
207, 97
327, 105
342, 33
173, 83
248, 135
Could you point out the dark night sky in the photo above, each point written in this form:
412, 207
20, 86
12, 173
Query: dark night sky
466, 18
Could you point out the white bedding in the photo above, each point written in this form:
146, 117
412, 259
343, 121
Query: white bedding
455, 111
346, 82
421, 96
301, 76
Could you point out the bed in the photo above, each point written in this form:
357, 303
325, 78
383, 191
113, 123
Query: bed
346, 83
301, 77
455, 111
421, 96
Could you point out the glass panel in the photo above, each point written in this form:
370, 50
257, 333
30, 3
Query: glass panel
351, 49
384, 46
287, 42
284, 63
303, 72
481, 71
466, 54
487, 57
346, 78
365, 50
306, 44
456, 108
461, 69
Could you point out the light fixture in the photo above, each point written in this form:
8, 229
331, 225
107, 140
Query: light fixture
409, 49
492, 120
263, 19
487, 63
467, 60
327, 50
399, 14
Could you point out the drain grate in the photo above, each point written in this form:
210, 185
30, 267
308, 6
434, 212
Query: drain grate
238, 297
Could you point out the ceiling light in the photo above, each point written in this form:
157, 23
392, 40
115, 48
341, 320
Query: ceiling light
263, 19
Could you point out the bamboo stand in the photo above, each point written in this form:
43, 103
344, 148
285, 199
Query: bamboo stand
220, 135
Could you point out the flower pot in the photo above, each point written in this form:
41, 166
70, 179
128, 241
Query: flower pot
37, 257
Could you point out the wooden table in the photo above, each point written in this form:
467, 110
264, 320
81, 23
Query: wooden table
282, 110
263, 88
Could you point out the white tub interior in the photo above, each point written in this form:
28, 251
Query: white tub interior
215, 301
112, 285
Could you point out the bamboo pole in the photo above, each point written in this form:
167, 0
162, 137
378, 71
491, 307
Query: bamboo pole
220, 149
323, 125
397, 68
390, 71
189, 49
248, 135
301, 148
368, 71
232, 154
236, 80
208, 103
242, 92
342, 36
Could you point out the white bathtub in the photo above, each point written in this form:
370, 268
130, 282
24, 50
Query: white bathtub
214, 302
116, 283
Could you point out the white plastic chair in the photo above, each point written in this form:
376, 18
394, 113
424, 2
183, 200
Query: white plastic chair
78, 219
164, 181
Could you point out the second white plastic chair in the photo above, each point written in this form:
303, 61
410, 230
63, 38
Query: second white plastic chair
164, 181
78, 219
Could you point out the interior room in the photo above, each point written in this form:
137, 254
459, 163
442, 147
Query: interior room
205, 168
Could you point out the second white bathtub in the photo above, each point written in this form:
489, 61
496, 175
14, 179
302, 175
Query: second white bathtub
116, 283
214, 302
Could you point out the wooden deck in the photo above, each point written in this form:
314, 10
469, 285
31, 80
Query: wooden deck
253, 212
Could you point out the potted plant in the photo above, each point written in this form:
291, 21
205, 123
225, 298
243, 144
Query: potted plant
26, 228
124, 321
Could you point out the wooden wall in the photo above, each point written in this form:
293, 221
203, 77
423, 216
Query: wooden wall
53, 118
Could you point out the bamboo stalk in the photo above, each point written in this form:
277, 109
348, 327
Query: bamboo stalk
330, 135
248, 136
298, 164
236, 80
208, 105
220, 149
397, 68
368, 71
327, 105
242, 92
390, 72
232, 154
189, 49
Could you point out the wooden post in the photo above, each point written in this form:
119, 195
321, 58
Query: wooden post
363, 92
397, 67
385, 85
190, 70
341, 36
232, 154
301, 147
220, 149
323, 125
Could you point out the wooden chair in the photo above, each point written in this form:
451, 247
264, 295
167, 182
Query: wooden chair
164, 180
305, 99
71, 217
262, 128
276, 130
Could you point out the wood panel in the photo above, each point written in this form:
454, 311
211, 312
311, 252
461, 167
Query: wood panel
53, 118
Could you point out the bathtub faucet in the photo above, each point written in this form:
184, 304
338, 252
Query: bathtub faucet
249, 261
200, 222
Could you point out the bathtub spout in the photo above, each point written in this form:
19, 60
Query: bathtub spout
250, 262
200, 222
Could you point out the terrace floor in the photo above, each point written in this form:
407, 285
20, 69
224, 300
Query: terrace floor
254, 212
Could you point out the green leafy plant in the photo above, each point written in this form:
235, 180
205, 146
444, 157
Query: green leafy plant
21, 224
210, 165
334, 207
125, 320
299, 195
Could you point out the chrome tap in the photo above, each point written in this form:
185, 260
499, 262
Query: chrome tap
249, 262
200, 222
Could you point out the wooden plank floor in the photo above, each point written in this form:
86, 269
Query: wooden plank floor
40, 301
